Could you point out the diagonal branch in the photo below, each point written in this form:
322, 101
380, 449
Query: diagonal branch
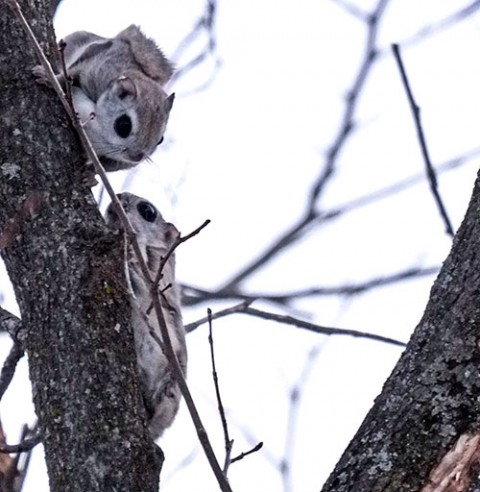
423, 143
256, 448
22, 447
352, 9
9, 366
244, 308
221, 409
178, 241
206, 23
12, 325
439, 26
347, 124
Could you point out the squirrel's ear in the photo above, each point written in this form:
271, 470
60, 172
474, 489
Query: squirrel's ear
124, 87
168, 103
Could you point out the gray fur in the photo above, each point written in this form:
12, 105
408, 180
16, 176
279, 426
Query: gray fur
160, 390
124, 75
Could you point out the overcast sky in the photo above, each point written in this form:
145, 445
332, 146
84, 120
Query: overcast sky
243, 152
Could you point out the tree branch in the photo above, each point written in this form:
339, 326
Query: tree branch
9, 366
244, 308
12, 325
423, 143
221, 410
198, 295
205, 24
22, 447
347, 124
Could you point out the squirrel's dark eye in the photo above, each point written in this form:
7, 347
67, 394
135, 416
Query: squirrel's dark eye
160, 141
147, 211
123, 126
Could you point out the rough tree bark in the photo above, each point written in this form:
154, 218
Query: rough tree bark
67, 271
423, 431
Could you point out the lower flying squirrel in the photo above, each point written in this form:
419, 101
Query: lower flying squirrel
155, 236
118, 91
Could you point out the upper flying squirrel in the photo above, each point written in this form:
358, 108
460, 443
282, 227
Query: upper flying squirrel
118, 91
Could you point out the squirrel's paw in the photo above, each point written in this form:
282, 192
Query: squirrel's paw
40, 75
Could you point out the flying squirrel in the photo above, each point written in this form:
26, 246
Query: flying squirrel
118, 93
155, 236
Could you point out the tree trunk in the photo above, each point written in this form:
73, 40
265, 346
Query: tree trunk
68, 275
422, 433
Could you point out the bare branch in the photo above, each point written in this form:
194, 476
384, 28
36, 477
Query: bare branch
221, 410
423, 144
398, 187
25, 445
178, 240
205, 24
439, 26
352, 9
219, 314
12, 325
295, 396
244, 308
16, 473
9, 366
305, 224
353, 97
8, 467
23, 468
243, 455
286, 238
347, 124
199, 295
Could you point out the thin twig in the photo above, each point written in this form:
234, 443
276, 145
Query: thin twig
352, 9
243, 455
169, 352
206, 24
321, 218
244, 308
27, 456
395, 188
13, 478
347, 123
198, 295
179, 240
8, 467
221, 409
219, 314
290, 320
423, 143
295, 395
9, 366
439, 26
12, 325
25, 445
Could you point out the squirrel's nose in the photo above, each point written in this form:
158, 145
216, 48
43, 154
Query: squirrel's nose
135, 155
